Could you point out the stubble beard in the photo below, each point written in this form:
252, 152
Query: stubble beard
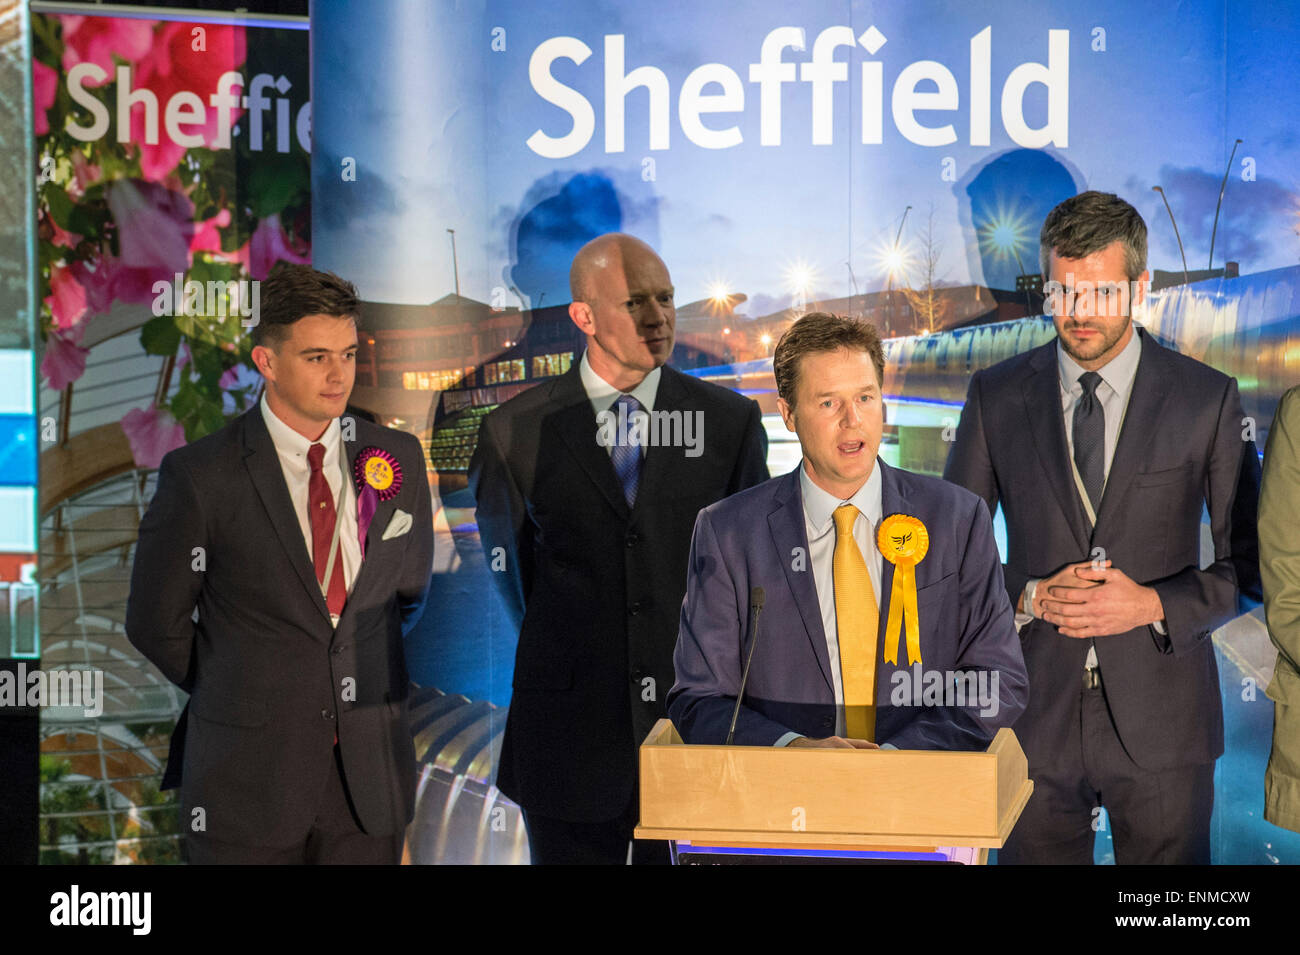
1100, 348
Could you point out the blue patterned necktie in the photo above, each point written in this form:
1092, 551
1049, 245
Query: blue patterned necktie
1090, 439
626, 453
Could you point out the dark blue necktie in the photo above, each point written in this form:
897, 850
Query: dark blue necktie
626, 453
1090, 439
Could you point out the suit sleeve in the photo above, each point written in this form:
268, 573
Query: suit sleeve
1196, 601
707, 659
971, 466
165, 583
988, 643
500, 512
1279, 542
417, 563
751, 463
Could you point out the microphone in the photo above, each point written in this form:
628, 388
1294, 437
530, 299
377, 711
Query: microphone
756, 600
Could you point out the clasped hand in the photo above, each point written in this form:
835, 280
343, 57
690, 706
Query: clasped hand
1095, 600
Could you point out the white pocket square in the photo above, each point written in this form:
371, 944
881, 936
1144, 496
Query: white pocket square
398, 524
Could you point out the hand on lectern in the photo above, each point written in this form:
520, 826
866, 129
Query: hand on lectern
834, 742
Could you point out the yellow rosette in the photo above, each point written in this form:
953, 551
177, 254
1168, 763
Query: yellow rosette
378, 474
903, 540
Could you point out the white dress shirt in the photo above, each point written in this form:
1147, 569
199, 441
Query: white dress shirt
291, 447
602, 394
1113, 392
819, 523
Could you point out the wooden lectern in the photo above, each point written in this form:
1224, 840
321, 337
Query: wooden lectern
731, 803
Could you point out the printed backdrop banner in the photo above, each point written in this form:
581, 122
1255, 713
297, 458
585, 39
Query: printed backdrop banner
172, 174
889, 161
172, 171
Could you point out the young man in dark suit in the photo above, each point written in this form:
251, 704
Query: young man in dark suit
304, 540
587, 489
1103, 447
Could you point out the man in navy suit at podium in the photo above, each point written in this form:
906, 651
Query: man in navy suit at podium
885, 620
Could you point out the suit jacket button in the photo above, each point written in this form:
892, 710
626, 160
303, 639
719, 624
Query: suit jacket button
634, 608
827, 721
632, 539
326, 715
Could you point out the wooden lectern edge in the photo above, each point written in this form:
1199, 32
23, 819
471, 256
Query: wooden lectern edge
760, 839
1012, 816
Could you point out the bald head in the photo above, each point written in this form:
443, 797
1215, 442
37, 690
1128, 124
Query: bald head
611, 252
623, 303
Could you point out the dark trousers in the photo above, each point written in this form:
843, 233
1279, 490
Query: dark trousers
558, 842
1155, 817
335, 838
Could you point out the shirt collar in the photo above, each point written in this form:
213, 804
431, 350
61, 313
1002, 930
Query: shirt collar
602, 394
288, 441
819, 505
1119, 372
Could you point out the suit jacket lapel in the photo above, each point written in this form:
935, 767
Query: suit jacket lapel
264, 470
786, 522
575, 423
1145, 404
892, 501
1041, 391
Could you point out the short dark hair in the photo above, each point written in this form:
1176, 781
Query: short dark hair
821, 332
292, 292
1087, 223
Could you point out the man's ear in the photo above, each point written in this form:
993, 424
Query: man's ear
262, 357
582, 316
787, 413
1141, 285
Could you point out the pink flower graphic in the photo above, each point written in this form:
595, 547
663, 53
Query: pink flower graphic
45, 85
67, 298
154, 226
152, 432
68, 240
65, 358
270, 245
107, 280
97, 282
84, 174
173, 65
95, 39
207, 238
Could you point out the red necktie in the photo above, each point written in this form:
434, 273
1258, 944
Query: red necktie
320, 506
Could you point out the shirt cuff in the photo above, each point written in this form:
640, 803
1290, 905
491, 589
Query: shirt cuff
888, 746
787, 739
1160, 627
1023, 617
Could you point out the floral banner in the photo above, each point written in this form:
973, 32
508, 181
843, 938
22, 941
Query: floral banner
172, 172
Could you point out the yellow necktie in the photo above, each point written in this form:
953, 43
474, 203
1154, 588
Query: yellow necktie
857, 621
